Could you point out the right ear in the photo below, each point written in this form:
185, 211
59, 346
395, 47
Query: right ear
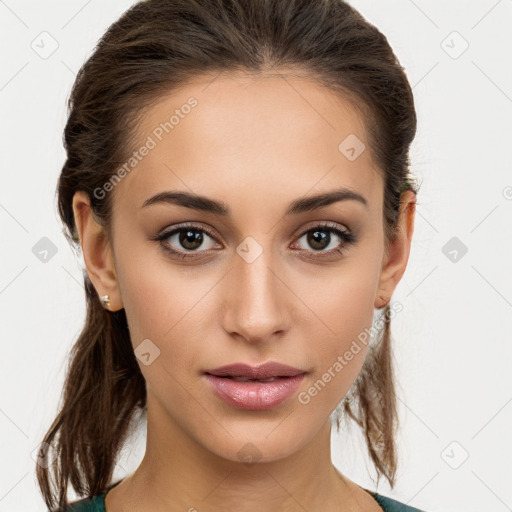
96, 250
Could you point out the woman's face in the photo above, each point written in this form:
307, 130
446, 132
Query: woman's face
256, 285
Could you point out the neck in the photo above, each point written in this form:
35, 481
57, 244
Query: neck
178, 473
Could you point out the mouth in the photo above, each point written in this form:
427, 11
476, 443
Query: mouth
254, 388
264, 373
246, 379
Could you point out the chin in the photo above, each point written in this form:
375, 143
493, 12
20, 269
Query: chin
266, 444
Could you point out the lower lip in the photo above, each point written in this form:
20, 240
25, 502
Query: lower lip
254, 395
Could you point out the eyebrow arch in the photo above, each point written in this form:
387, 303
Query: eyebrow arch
306, 204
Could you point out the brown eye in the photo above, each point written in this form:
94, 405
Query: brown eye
320, 239
190, 239
187, 241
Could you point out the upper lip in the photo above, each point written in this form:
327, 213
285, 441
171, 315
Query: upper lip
264, 371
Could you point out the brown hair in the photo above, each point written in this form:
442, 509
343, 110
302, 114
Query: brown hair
154, 47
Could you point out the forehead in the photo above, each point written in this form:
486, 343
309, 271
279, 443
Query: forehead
235, 137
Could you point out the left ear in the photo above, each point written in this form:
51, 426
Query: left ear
395, 259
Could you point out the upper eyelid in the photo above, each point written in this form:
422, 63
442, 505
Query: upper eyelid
325, 225
180, 227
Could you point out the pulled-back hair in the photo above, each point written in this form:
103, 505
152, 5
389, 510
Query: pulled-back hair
153, 48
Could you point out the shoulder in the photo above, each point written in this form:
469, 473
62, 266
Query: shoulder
92, 504
391, 505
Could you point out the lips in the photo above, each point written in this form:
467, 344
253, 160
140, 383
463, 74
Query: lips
267, 372
254, 388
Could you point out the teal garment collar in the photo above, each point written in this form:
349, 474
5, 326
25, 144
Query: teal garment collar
97, 503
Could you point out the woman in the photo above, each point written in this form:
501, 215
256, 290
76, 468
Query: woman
237, 177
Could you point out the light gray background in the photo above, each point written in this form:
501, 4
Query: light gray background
452, 341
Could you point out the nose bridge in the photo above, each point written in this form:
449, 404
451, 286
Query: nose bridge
256, 306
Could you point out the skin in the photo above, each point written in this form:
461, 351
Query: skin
257, 144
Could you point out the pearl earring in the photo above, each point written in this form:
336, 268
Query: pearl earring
106, 301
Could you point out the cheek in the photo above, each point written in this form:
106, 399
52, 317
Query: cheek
342, 302
168, 305
340, 327
155, 293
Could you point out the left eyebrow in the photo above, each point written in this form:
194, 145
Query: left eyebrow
206, 204
310, 203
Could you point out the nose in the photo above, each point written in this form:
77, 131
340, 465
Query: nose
257, 301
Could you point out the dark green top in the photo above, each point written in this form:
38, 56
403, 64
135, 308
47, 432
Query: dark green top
97, 503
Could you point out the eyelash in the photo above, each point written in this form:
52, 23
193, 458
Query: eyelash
346, 237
